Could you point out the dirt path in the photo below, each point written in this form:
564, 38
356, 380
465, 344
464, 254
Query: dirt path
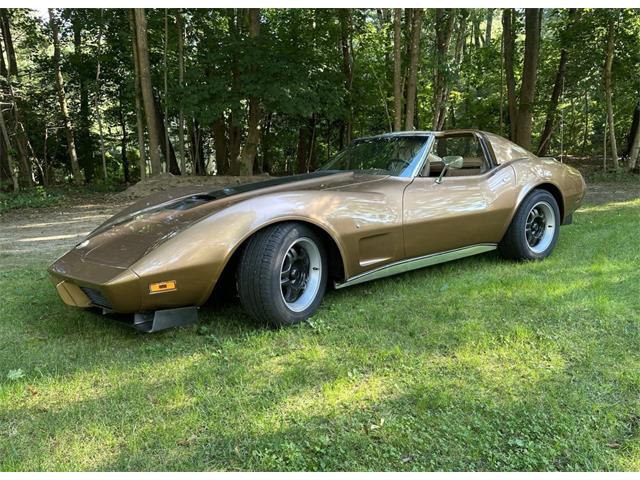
48, 232
44, 233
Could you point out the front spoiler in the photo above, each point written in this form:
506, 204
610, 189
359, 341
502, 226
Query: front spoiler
151, 322
163, 319
147, 322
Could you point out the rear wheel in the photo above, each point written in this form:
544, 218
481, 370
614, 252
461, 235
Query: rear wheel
282, 275
533, 232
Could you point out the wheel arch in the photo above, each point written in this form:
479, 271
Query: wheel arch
546, 186
336, 258
553, 190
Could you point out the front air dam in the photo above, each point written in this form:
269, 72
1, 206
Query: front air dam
162, 319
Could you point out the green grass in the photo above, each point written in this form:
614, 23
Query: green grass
479, 364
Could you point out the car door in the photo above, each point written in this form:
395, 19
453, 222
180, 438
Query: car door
469, 206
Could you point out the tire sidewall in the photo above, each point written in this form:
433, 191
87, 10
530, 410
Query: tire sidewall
528, 203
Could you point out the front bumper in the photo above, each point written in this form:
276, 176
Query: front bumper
85, 284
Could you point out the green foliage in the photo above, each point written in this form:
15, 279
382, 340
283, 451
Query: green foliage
295, 69
34, 198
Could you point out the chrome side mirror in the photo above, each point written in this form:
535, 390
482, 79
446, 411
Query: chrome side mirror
450, 161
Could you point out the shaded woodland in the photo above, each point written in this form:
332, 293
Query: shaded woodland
114, 95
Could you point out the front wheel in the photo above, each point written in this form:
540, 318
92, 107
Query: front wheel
533, 232
282, 275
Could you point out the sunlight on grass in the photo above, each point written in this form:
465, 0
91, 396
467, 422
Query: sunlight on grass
478, 364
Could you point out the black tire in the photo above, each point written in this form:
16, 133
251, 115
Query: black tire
517, 242
261, 268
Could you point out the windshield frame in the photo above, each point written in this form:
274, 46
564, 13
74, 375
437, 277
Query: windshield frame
414, 168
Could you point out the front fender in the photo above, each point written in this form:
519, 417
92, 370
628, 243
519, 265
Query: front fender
196, 257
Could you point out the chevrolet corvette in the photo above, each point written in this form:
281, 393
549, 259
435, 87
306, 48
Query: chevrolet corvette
385, 205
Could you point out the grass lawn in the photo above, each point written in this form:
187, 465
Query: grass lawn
479, 364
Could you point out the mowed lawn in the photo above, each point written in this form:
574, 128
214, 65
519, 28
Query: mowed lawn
479, 364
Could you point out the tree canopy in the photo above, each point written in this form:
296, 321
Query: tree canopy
104, 95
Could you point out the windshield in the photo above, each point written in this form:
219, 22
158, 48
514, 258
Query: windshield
397, 156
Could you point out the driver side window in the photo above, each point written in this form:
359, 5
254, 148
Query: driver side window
466, 146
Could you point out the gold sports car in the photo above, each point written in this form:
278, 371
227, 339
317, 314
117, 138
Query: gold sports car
385, 205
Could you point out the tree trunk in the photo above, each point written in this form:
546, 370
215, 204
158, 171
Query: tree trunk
195, 135
62, 100
444, 29
142, 162
234, 127
15, 121
414, 55
8, 161
3, 66
266, 145
608, 92
477, 34
180, 29
165, 97
252, 142
397, 69
8, 42
346, 45
305, 154
550, 123
508, 39
635, 123
125, 138
220, 145
488, 28
84, 145
147, 90
634, 150
98, 101
529, 77
585, 136
166, 146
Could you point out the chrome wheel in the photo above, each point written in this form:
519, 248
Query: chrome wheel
300, 274
540, 227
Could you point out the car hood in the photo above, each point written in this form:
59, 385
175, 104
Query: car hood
130, 234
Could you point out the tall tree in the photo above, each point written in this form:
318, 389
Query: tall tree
397, 69
443, 31
22, 145
252, 142
412, 80
6, 156
8, 42
98, 101
489, 27
146, 89
529, 76
608, 90
346, 44
62, 100
142, 164
634, 148
558, 87
180, 28
508, 39
3, 66
84, 144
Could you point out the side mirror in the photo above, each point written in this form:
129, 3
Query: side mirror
450, 161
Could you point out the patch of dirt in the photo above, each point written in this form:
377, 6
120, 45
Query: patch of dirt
50, 231
167, 181
605, 192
